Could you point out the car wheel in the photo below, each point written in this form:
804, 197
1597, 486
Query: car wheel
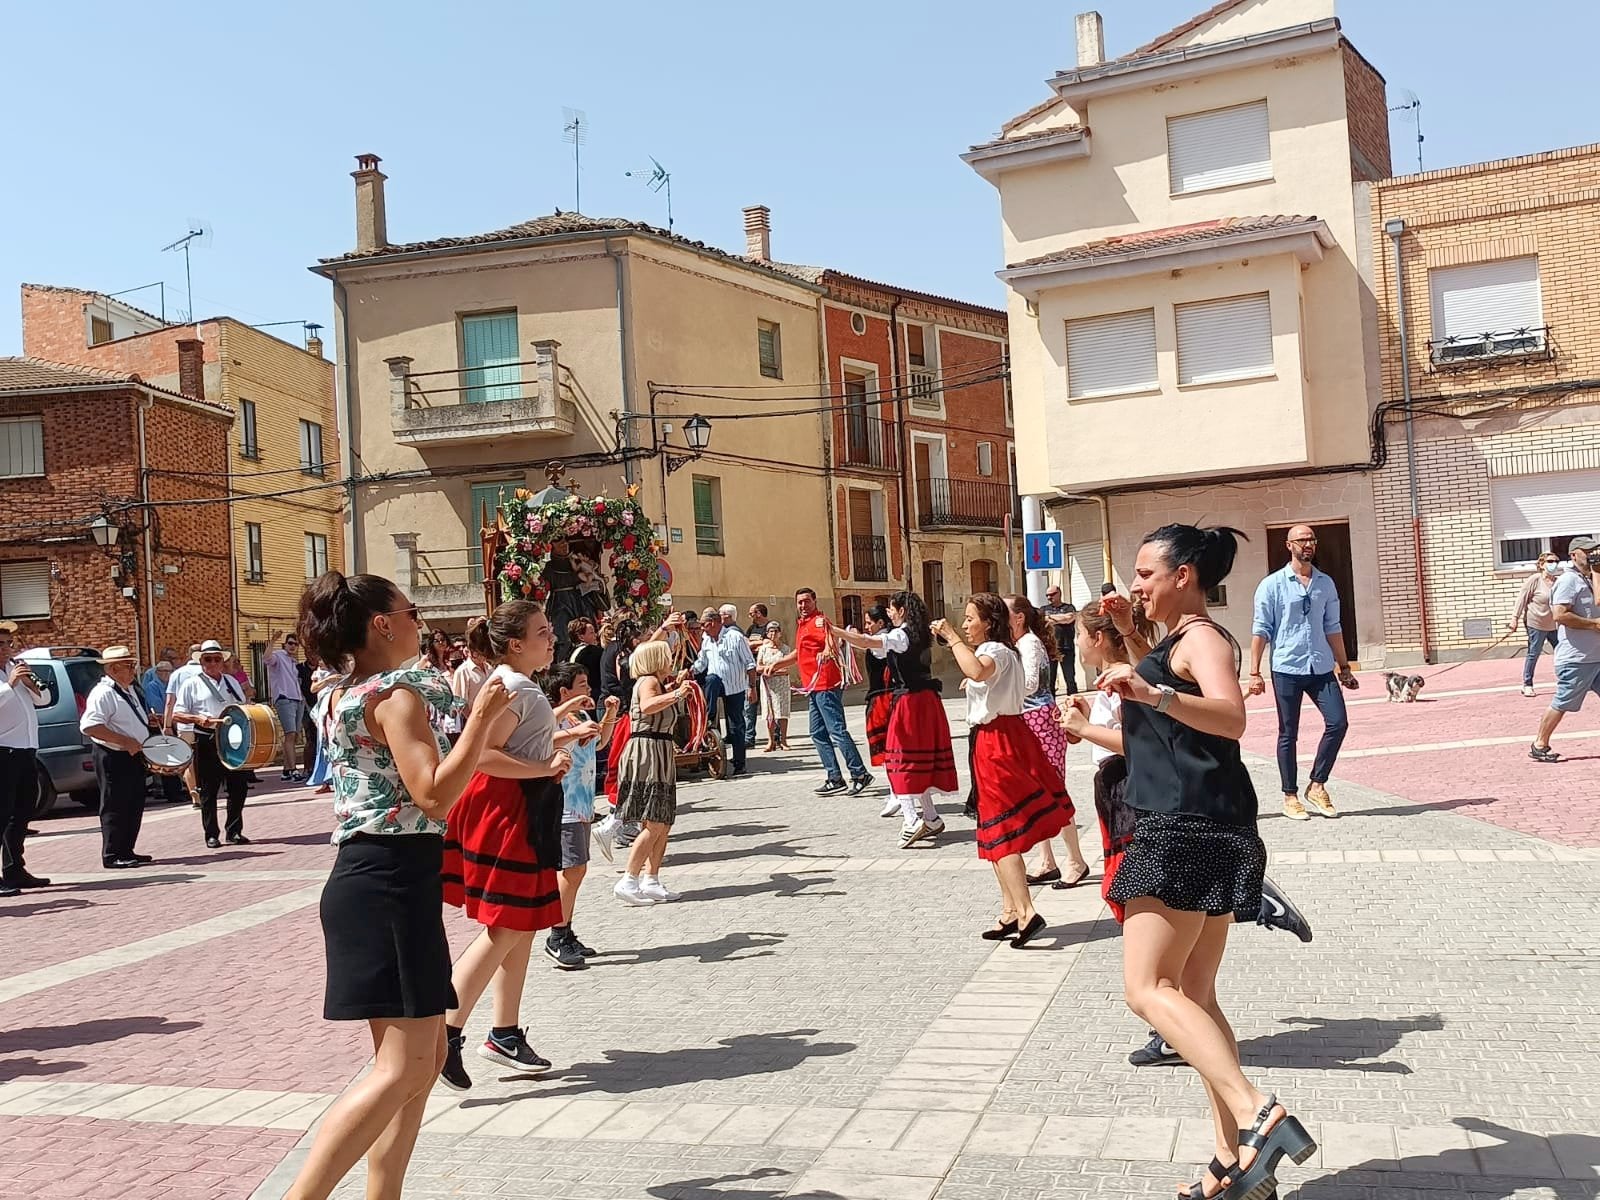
47, 793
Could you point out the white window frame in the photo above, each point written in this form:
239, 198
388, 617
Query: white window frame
1098, 324
255, 553
1502, 340
1213, 310
1582, 521
249, 430
931, 407
316, 545
716, 515
985, 460
25, 461
11, 606
872, 373
311, 460
1216, 178
776, 366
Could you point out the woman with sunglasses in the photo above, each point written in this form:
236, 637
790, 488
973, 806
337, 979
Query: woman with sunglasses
395, 782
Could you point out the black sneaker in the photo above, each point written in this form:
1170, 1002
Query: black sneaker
454, 1073
513, 1052
1279, 912
860, 784
586, 951
830, 787
7, 890
213, 844
1543, 754
1155, 1053
562, 947
241, 840
25, 880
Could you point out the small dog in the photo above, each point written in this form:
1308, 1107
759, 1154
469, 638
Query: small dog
1403, 689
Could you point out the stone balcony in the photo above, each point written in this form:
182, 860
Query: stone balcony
436, 408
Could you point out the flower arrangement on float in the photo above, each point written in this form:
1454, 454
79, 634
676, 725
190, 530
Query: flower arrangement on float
531, 529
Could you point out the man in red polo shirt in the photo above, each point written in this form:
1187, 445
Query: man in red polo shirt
814, 653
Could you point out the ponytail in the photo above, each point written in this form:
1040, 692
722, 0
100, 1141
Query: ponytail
1208, 551
492, 638
336, 612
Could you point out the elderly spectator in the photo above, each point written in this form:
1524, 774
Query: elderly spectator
1533, 607
730, 674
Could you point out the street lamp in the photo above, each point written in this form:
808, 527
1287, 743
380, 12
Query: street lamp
697, 432
104, 531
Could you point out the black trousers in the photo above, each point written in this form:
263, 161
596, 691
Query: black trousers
19, 796
212, 777
121, 777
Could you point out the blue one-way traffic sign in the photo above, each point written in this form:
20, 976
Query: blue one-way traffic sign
1043, 551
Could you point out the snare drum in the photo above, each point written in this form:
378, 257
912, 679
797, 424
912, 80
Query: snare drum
247, 736
167, 755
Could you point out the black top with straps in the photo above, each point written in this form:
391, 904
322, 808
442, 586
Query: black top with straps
913, 671
1175, 768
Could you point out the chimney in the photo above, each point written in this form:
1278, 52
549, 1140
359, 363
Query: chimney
758, 233
314, 345
1091, 40
372, 223
192, 368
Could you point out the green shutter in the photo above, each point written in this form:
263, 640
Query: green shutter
489, 351
707, 531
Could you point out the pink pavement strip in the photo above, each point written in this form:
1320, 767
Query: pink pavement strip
1499, 784
45, 1158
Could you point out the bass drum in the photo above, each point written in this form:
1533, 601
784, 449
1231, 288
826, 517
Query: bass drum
248, 736
167, 755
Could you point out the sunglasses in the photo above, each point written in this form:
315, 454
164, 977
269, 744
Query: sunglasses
410, 610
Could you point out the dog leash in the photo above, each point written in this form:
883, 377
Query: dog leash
1462, 662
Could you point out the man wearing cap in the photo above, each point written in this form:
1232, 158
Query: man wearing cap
20, 694
1577, 643
117, 722
197, 708
1062, 619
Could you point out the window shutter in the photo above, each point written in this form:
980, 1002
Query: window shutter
985, 458
25, 589
1227, 339
1544, 506
1111, 354
489, 345
1492, 297
860, 513
1086, 571
21, 446
1220, 148
704, 510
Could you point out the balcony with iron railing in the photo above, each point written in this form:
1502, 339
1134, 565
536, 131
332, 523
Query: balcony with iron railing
922, 387
966, 504
444, 584
869, 442
1465, 350
480, 404
869, 558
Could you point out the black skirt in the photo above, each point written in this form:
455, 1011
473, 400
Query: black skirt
383, 926
1193, 864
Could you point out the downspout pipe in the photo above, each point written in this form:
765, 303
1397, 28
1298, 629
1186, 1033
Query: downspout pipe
905, 433
1396, 228
149, 646
617, 265
352, 538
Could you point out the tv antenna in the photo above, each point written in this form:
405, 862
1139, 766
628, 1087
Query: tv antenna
658, 179
1410, 103
199, 235
575, 129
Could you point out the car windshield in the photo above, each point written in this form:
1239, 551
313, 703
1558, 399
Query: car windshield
83, 674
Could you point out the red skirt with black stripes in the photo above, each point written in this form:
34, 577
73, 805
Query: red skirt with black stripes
919, 757
1021, 800
880, 708
502, 850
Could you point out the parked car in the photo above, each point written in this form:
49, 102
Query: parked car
66, 767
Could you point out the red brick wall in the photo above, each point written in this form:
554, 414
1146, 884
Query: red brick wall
1367, 113
53, 329
973, 413
871, 347
198, 603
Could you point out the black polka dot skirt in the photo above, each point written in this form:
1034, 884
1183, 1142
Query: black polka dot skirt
1193, 864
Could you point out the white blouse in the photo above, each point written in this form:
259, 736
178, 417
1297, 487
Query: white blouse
1035, 670
894, 638
1001, 694
1104, 713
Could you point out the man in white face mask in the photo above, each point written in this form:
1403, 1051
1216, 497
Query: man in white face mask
1533, 607
1577, 644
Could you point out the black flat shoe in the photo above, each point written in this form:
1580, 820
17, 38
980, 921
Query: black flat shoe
213, 844
1028, 932
142, 858
1000, 933
1062, 885
121, 864
241, 840
1050, 876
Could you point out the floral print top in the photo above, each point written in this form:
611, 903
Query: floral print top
368, 794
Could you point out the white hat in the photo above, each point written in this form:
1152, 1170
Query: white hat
212, 646
115, 654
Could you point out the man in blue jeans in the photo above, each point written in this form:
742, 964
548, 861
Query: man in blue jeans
729, 670
1297, 611
815, 651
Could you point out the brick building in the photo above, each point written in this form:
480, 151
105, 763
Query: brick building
920, 457
286, 437
1502, 357
77, 444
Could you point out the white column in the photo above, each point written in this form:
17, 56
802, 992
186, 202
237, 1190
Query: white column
1033, 522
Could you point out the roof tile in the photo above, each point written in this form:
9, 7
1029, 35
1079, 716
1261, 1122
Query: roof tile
1161, 239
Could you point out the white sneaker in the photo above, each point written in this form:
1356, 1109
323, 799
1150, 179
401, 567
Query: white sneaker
891, 806
656, 891
935, 826
911, 834
629, 891
604, 834
1527, 689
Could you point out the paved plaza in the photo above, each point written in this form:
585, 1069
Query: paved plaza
817, 1017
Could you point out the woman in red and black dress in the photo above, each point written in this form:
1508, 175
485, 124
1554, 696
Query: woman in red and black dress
880, 693
1021, 800
503, 847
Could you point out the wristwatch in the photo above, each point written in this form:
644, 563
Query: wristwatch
1167, 694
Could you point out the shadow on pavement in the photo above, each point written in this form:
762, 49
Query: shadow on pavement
788, 886
121, 881
707, 1188
719, 831
17, 1068
87, 1033
54, 904
1059, 937
628, 1071
788, 848
730, 947
1337, 1045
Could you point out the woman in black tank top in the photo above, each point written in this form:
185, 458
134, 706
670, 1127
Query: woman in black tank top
1196, 862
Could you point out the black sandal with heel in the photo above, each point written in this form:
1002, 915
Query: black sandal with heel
1197, 1190
1258, 1181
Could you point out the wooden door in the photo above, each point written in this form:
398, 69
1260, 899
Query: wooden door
1334, 559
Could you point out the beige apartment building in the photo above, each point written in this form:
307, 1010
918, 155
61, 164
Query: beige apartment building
467, 364
1189, 327
1500, 358
286, 518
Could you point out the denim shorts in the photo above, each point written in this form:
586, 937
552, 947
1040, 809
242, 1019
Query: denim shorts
1573, 682
291, 713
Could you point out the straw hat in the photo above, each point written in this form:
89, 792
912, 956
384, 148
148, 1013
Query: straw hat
115, 654
212, 646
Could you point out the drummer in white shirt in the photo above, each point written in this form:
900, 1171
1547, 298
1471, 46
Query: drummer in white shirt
197, 707
117, 722
174, 681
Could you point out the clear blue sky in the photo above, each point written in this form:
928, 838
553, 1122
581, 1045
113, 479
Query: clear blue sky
845, 118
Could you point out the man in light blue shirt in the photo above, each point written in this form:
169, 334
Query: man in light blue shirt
729, 670
1297, 613
1577, 643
